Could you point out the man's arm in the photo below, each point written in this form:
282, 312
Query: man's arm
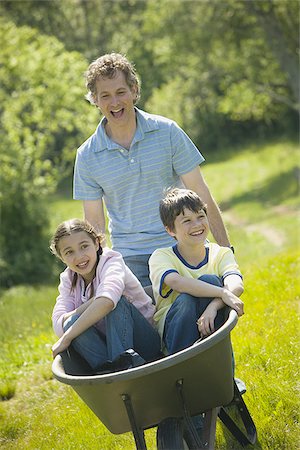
194, 180
94, 214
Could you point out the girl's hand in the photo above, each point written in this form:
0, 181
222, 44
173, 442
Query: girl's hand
62, 344
233, 301
206, 320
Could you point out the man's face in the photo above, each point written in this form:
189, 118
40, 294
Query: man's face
115, 99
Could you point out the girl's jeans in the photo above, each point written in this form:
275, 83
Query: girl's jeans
181, 329
125, 328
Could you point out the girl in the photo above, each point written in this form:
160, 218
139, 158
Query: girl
102, 309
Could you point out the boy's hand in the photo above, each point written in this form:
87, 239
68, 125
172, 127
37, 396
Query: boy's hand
206, 320
233, 301
62, 344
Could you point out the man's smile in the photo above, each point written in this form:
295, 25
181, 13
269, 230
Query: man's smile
118, 113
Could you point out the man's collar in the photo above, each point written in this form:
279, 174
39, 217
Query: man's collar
145, 124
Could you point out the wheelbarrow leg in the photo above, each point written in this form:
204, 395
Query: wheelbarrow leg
244, 438
138, 433
209, 428
192, 436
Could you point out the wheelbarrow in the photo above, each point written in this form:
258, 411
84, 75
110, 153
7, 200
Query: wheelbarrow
196, 380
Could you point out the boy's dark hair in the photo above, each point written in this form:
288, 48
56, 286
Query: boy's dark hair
174, 203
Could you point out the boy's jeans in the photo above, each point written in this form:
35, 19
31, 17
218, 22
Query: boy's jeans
125, 328
181, 329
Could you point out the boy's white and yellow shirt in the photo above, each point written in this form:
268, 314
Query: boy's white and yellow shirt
218, 261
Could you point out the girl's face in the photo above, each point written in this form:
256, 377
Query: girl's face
79, 252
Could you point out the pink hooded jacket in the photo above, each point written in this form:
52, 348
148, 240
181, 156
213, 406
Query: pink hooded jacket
112, 280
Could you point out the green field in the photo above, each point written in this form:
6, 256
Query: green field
258, 191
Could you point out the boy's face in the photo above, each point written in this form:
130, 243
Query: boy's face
190, 228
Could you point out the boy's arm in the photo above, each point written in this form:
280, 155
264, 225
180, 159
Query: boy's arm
206, 322
199, 288
234, 283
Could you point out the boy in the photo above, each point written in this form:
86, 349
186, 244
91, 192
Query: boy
193, 280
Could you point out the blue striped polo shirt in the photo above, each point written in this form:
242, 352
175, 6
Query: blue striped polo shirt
132, 182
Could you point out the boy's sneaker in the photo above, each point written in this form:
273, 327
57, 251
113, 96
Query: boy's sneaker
240, 385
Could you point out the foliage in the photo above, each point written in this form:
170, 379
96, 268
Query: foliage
39, 96
229, 82
224, 70
90, 27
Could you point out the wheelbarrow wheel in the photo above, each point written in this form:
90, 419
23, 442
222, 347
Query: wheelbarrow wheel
170, 435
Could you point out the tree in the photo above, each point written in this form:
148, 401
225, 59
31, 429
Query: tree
280, 24
222, 69
44, 116
226, 79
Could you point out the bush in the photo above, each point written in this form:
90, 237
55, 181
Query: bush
43, 121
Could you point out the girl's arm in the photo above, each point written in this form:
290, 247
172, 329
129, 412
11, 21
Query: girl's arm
65, 302
98, 308
78, 310
199, 288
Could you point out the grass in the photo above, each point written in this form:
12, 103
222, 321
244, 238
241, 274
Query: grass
257, 190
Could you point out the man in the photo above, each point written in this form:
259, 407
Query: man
129, 161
